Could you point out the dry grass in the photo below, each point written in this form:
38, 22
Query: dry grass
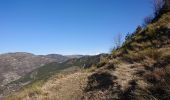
61, 87
152, 54
27, 92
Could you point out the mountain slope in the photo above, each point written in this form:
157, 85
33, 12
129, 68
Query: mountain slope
43, 73
15, 65
56, 57
21, 65
51, 68
139, 70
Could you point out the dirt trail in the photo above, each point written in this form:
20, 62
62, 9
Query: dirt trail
126, 73
69, 87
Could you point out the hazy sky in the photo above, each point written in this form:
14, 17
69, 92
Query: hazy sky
67, 26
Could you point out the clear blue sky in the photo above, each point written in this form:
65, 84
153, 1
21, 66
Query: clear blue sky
67, 26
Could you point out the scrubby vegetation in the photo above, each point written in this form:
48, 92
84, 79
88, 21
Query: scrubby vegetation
146, 53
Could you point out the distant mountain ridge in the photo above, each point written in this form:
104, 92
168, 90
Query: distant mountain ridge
17, 64
76, 62
75, 56
55, 57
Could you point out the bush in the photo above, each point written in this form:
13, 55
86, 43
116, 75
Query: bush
150, 31
160, 80
140, 56
101, 64
152, 53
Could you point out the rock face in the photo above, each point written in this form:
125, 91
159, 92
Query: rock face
15, 65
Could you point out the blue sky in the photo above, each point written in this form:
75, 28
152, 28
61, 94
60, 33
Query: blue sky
67, 26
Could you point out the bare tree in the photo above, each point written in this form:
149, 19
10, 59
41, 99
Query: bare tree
118, 40
147, 20
166, 6
157, 6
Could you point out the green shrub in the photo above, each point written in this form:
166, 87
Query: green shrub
150, 31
